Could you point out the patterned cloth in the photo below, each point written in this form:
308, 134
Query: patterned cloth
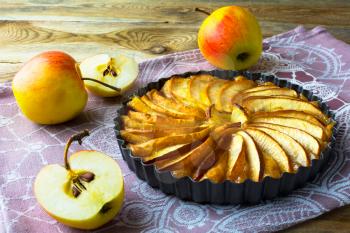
313, 59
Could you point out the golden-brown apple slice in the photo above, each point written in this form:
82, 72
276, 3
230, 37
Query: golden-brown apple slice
238, 114
197, 87
310, 128
271, 104
161, 131
142, 117
237, 164
161, 110
292, 148
166, 89
171, 152
138, 105
270, 147
290, 113
171, 105
268, 86
190, 160
217, 117
149, 147
310, 144
133, 138
213, 89
205, 165
271, 167
130, 123
179, 90
228, 91
217, 173
267, 92
253, 156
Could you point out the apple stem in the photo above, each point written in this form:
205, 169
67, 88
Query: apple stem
200, 10
76, 137
102, 83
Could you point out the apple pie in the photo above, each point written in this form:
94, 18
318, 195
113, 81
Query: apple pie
205, 127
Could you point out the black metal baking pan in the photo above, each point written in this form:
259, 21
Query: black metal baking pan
226, 192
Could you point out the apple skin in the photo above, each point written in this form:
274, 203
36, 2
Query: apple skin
49, 89
54, 198
230, 38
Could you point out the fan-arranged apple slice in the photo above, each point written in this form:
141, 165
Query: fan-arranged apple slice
253, 156
271, 104
312, 129
309, 143
271, 148
171, 105
228, 91
267, 93
292, 148
197, 88
85, 193
217, 172
238, 114
118, 71
213, 89
237, 162
147, 148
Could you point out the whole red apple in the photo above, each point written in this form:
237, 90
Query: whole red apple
230, 38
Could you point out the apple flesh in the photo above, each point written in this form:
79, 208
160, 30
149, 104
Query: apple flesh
230, 38
88, 205
49, 89
118, 71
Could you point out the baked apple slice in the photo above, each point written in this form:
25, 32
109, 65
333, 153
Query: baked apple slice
271, 104
292, 148
187, 162
171, 105
310, 144
229, 90
217, 173
149, 147
253, 157
213, 89
270, 147
138, 105
197, 87
236, 163
134, 138
179, 90
238, 114
267, 92
312, 129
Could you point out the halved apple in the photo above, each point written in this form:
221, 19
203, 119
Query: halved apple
271, 148
85, 193
119, 71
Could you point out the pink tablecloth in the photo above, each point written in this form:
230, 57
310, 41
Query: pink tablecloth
314, 59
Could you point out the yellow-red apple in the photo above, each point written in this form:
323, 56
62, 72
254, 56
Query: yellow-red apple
230, 38
49, 88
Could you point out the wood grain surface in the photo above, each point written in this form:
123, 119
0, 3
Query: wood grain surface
149, 28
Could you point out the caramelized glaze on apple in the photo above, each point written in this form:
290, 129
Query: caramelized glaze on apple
208, 128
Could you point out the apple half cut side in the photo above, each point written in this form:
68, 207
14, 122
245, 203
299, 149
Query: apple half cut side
118, 71
86, 193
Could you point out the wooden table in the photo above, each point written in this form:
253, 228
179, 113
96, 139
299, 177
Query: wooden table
145, 29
